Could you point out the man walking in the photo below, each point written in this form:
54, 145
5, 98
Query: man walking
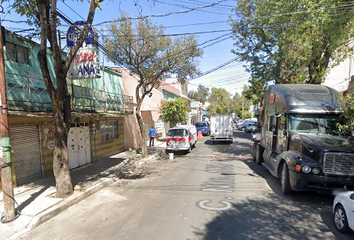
152, 134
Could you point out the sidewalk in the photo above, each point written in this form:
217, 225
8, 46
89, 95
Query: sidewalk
36, 200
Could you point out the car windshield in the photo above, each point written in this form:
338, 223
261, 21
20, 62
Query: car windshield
177, 133
200, 124
316, 123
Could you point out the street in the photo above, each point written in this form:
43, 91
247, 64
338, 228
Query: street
216, 192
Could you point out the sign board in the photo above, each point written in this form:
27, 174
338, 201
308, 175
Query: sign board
86, 61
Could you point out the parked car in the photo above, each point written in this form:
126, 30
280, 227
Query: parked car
252, 127
243, 126
343, 211
181, 138
203, 127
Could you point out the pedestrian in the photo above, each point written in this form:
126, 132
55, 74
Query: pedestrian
152, 135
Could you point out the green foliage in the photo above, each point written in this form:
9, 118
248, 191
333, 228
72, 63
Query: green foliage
174, 111
220, 101
246, 114
347, 106
292, 41
143, 48
254, 92
200, 95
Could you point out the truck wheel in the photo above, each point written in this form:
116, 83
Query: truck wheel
284, 179
254, 151
259, 154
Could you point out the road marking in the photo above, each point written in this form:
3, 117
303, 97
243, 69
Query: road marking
202, 205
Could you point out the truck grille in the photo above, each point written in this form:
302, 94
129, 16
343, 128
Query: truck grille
339, 163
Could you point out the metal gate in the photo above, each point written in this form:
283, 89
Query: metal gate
79, 149
26, 154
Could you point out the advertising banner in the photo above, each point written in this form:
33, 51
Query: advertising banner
86, 61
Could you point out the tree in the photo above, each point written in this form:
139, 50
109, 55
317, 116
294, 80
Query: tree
174, 111
43, 13
292, 41
144, 49
255, 91
219, 100
200, 95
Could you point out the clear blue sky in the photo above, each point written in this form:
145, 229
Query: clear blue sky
208, 24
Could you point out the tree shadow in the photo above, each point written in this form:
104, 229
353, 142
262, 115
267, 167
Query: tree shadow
273, 217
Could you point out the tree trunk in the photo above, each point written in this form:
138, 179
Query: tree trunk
143, 135
61, 158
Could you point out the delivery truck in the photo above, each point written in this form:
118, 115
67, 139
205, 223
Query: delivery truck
300, 142
221, 127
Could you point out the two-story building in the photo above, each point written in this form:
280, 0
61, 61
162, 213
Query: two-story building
150, 109
99, 109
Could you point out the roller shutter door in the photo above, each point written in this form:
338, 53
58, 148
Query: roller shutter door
26, 154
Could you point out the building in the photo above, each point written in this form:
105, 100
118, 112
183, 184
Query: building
99, 109
150, 109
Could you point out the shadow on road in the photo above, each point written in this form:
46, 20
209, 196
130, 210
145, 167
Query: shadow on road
274, 217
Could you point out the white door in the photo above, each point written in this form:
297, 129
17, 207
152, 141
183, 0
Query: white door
79, 146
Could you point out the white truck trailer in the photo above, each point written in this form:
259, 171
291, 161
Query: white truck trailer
221, 127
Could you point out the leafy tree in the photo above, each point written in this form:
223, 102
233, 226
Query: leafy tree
200, 95
236, 104
144, 49
347, 106
246, 114
174, 111
255, 92
219, 100
292, 41
43, 14
254, 44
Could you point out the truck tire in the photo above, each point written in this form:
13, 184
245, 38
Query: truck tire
254, 151
259, 154
284, 179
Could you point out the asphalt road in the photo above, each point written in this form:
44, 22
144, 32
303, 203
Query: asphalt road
216, 192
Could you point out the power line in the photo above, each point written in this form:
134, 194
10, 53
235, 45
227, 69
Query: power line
165, 14
215, 68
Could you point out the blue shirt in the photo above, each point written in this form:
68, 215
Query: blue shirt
152, 132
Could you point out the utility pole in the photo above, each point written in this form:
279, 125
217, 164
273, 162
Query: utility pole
5, 149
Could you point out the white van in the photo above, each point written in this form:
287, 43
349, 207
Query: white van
181, 138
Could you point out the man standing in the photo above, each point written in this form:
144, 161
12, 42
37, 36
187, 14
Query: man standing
152, 134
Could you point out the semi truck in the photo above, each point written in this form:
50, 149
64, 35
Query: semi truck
221, 129
300, 142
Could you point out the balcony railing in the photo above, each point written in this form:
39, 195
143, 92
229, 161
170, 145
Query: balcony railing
29, 94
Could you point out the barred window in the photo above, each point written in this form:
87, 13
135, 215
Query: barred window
109, 130
16, 53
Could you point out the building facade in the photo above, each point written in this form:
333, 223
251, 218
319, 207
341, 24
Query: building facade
99, 109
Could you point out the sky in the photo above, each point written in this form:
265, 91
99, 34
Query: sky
210, 26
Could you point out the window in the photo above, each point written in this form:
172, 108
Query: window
177, 133
16, 53
109, 130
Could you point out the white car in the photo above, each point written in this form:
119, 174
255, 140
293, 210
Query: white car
343, 211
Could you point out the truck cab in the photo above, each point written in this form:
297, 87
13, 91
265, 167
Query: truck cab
300, 142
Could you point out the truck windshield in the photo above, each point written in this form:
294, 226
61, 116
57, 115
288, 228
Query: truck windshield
177, 133
316, 123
